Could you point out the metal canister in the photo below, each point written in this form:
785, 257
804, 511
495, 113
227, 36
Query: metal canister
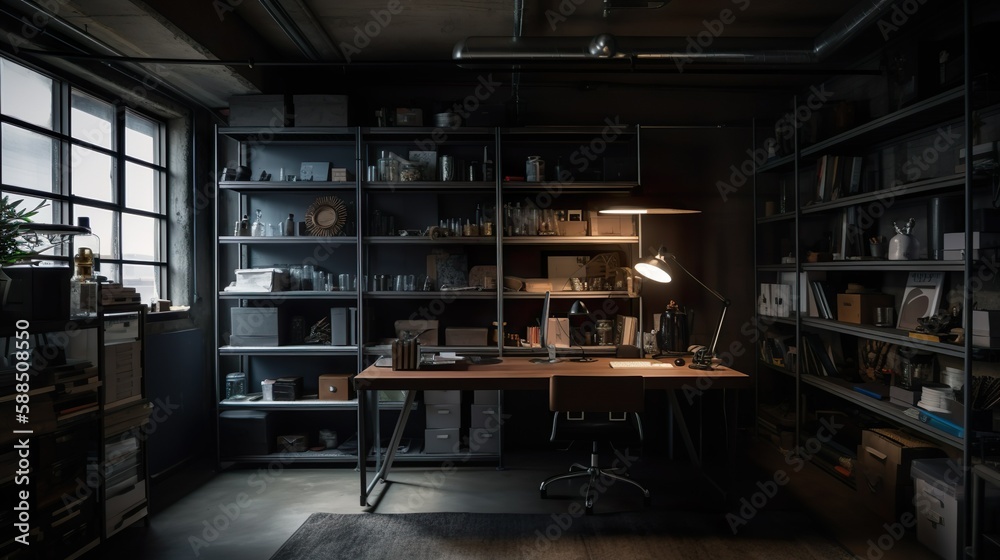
534, 169
446, 168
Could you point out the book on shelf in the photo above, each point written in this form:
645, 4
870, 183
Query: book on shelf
833, 178
821, 165
855, 164
625, 330
822, 303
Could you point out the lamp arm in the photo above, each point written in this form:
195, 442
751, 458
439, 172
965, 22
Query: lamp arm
718, 329
702, 284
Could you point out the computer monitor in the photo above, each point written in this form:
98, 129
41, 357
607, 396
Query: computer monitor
543, 335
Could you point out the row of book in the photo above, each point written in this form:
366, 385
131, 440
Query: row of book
837, 176
776, 300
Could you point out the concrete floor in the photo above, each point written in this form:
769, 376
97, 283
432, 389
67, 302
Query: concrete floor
248, 513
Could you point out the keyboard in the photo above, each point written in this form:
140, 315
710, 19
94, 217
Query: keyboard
625, 364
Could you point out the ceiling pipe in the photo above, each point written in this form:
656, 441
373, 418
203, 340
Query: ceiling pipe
288, 26
605, 46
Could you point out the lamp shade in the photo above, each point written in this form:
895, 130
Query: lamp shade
578, 308
655, 268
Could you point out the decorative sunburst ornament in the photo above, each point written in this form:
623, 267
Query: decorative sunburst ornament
326, 216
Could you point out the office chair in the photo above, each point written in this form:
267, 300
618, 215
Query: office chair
596, 408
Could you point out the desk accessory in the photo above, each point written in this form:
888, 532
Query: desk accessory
658, 270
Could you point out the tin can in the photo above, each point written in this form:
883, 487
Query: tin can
446, 168
534, 169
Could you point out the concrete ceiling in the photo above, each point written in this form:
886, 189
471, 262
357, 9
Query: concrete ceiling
208, 50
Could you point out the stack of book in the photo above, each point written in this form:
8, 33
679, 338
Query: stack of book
113, 294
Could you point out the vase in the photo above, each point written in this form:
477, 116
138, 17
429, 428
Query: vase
903, 247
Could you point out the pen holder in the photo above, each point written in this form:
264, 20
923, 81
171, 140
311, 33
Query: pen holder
405, 354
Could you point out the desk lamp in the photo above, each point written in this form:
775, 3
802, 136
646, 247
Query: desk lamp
658, 270
577, 309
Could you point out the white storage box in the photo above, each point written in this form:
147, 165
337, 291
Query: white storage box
442, 397
482, 440
938, 497
261, 280
486, 396
441, 441
983, 244
484, 416
443, 416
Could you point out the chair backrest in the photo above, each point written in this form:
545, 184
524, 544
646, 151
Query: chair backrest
597, 393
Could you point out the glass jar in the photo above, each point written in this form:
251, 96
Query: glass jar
409, 172
605, 332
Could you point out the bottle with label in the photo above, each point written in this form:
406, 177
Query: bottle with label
83, 287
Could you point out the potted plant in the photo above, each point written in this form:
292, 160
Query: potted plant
13, 247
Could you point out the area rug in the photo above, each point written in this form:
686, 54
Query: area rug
624, 536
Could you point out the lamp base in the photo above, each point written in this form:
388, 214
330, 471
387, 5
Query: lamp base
545, 360
706, 367
583, 360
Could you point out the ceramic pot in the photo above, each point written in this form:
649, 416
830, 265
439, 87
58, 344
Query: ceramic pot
903, 247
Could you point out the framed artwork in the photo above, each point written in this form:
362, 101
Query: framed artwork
314, 171
920, 299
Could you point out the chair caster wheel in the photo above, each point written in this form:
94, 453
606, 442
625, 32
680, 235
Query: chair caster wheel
647, 501
589, 510
543, 494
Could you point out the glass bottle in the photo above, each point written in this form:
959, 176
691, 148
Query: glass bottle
257, 229
83, 296
290, 225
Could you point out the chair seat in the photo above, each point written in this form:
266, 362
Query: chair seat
595, 426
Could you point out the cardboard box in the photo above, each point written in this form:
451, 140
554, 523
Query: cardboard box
258, 110
612, 224
443, 440
860, 308
320, 110
336, 387
257, 326
465, 336
443, 416
571, 229
884, 460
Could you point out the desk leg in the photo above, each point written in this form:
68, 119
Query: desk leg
679, 417
362, 441
397, 435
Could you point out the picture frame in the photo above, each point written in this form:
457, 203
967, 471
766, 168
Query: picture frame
314, 171
921, 298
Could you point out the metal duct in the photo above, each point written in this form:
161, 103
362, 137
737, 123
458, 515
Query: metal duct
606, 46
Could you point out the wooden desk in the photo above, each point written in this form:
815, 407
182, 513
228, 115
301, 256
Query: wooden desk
517, 373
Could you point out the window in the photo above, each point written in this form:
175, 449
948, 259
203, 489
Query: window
85, 156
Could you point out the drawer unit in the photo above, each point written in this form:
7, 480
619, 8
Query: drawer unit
482, 440
484, 416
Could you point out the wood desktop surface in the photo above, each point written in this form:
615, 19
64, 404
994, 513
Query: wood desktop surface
519, 372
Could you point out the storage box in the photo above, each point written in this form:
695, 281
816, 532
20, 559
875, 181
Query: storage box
938, 499
486, 396
572, 229
612, 224
442, 397
882, 475
465, 336
484, 416
258, 110
295, 443
122, 327
443, 440
443, 416
482, 440
287, 389
336, 387
320, 110
261, 280
245, 432
257, 326
860, 308
36, 294
983, 244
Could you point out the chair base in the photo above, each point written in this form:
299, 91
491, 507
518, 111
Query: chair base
593, 473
